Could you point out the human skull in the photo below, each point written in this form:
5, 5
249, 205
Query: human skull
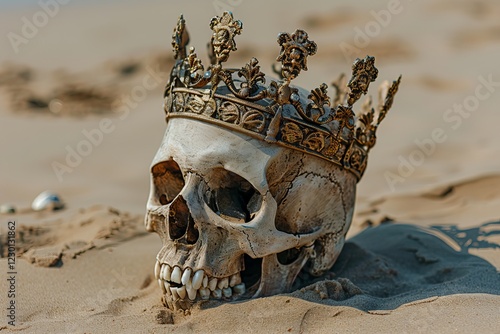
239, 217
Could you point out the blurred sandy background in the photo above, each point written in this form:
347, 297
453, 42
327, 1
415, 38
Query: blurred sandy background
79, 67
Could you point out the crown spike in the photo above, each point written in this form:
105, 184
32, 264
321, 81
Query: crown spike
370, 119
224, 28
363, 73
295, 49
387, 96
180, 39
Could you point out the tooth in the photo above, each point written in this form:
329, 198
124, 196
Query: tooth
160, 283
175, 295
198, 279
157, 270
212, 285
191, 292
239, 289
167, 285
176, 275
227, 292
235, 280
205, 281
181, 292
217, 293
204, 293
165, 272
223, 283
186, 276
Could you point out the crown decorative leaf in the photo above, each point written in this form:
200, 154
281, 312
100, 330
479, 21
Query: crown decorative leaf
253, 76
278, 112
195, 66
320, 101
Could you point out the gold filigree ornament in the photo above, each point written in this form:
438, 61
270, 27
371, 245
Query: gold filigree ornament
278, 113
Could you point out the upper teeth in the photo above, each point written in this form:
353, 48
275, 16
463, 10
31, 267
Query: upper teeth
186, 275
196, 284
223, 283
176, 274
198, 279
212, 284
165, 273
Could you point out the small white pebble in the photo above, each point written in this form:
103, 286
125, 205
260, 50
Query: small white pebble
47, 200
7, 208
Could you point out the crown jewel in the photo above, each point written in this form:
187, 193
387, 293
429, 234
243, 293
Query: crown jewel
278, 113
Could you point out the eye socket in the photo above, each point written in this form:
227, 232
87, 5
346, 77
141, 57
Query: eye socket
168, 181
232, 197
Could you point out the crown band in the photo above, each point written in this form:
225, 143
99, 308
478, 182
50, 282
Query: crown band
254, 120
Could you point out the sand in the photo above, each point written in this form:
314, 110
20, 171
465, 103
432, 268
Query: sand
423, 251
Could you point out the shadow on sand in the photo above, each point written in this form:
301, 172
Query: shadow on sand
394, 264
476, 237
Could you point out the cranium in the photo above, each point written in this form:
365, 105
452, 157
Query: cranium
239, 217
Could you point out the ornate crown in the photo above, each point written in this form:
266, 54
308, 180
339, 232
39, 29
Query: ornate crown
279, 113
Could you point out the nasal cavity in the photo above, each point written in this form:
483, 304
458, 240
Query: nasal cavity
181, 225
